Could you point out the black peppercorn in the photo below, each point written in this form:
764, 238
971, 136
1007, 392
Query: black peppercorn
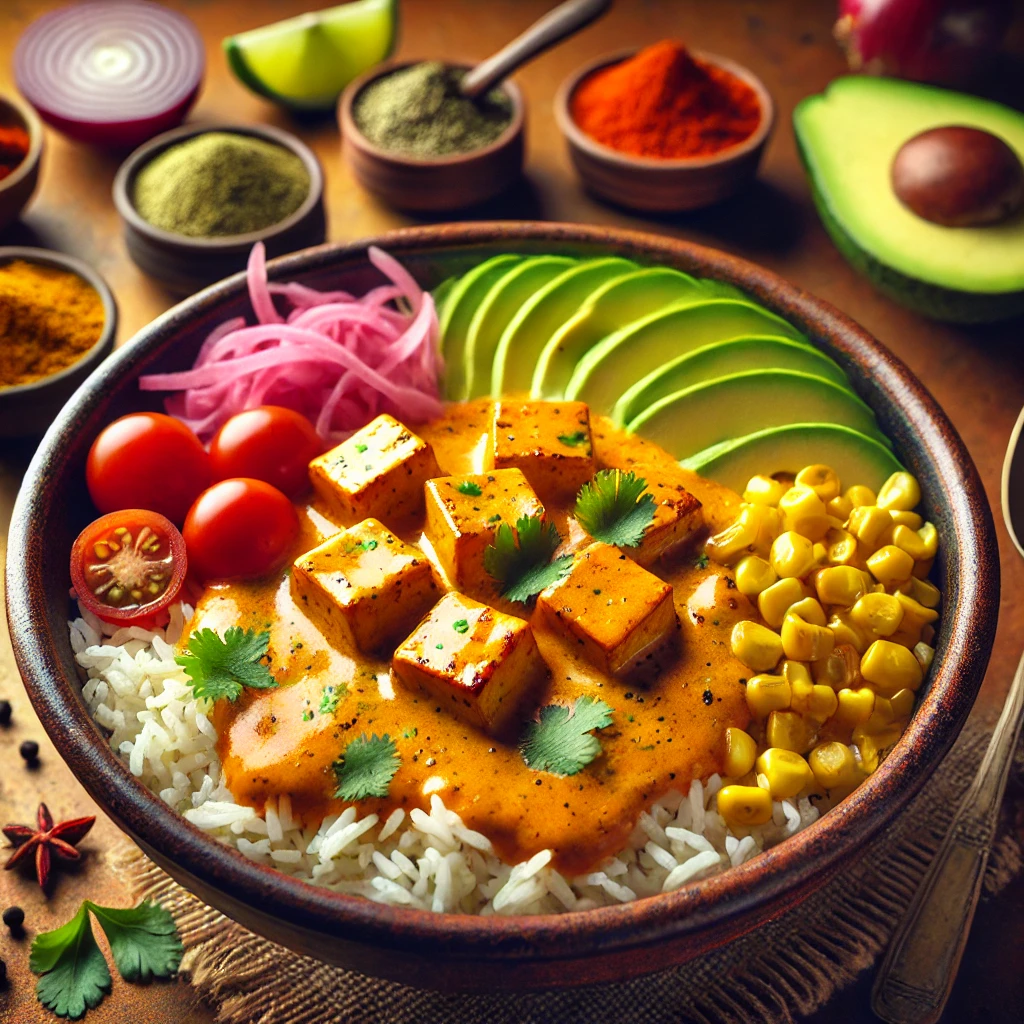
14, 918
5, 712
29, 750
3, 974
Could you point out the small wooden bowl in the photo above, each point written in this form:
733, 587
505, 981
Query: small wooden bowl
432, 185
653, 184
17, 188
185, 264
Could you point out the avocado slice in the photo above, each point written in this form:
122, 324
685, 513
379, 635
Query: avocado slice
618, 302
856, 458
620, 360
525, 337
707, 414
848, 137
722, 359
455, 313
495, 311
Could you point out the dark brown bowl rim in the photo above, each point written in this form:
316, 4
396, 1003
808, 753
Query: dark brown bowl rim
138, 158
755, 886
31, 123
350, 132
627, 161
50, 258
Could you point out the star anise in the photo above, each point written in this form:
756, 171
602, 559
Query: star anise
48, 841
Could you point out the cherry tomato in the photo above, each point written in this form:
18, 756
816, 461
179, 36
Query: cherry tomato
128, 565
270, 443
147, 460
238, 529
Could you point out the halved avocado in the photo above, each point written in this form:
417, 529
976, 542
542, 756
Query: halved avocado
620, 360
618, 302
717, 410
856, 458
496, 310
546, 311
848, 137
722, 359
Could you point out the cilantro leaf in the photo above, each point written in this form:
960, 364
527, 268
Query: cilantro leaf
702, 561
469, 488
221, 668
615, 507
574, 440
143, 940
560, 740
521, 559
330, 697
366, 767
75, 975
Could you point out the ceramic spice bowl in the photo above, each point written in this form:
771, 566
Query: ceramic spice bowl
16, 189
437, 184
658, 185
461, 952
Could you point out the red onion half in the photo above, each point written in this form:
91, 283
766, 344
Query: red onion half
112, 74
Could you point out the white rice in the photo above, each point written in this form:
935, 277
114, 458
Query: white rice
425, 859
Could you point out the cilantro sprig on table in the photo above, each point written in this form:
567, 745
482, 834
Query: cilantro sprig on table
560, 741
224, 667
615, 507
366, 767
520, 559
75, 978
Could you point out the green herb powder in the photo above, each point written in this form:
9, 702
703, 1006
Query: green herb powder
419, 111
220, 184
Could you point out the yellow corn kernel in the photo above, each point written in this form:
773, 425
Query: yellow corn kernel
902, 704
764, 490
823, 703
804, 641
911, 519
925, 655
890, 564
861, 495
758, 647
801, 685
745, 805
841, 546
766, 694
764, 522
871, 745
840, 584
890, 667
754, 574
809, 610
846, 631
804, 512
928, 634
930, 536
740, 753
910, 541
922, 570
877, 614
855, 706
774, 602
821, 479
786, 771
820, 552
840, 670
833, 764
925, 592
792, 555
901, 491
869, 524
881, 718
728, 546
789, 730
915, 614
840, 507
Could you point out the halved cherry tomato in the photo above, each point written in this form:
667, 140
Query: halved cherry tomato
239, 529
147, 460
128, 565
270, 443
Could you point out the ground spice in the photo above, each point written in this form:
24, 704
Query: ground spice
49, 319
419, 111
220, 184
663, 103
14, 143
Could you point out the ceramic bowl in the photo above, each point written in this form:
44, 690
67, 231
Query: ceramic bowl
431, 186
185, 264
496, 953
17, 188
655, 185
28, 409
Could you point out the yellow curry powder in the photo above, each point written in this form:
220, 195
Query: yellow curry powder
49, 319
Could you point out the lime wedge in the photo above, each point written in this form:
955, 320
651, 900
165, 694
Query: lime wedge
306, 61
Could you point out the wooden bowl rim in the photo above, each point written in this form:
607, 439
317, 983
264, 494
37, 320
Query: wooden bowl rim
760, 885
31, 123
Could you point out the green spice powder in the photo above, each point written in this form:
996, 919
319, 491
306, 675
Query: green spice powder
419, 111
220, 184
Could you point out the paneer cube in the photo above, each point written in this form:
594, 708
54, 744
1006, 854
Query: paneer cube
378, 472
614, 611
476, 661
364, 586
463, 513
549, 441
678, 517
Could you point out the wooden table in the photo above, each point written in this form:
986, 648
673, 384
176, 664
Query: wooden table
976, 374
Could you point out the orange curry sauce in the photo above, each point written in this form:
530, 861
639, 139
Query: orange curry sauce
666, 731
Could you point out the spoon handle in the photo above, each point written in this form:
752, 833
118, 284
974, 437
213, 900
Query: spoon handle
565, 19
920, 966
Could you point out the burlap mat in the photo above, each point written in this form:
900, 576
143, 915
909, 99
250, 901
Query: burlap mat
783, 970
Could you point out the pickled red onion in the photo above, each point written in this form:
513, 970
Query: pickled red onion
337, 359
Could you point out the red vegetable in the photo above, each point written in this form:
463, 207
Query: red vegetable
940, 41
239, 529
128, 565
